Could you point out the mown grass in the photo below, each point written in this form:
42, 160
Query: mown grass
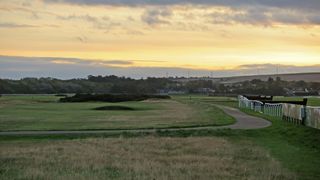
205, 110
225, 101
45, 113
139, 158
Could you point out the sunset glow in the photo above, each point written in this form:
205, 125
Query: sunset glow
208, 35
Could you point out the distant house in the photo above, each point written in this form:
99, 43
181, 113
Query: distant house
205, 90
176, 92
302, 92
170, 92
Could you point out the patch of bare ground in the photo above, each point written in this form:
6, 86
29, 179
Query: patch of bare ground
138, 158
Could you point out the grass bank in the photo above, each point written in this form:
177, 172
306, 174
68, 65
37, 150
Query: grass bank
297, 147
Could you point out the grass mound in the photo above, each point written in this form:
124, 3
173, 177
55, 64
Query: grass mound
111, 97
115, 108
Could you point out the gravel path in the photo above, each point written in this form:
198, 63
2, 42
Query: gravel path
243, 121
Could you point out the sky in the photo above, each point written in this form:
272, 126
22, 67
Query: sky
158, 38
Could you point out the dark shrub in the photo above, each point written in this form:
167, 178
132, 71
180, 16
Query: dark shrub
111, 97
115, 108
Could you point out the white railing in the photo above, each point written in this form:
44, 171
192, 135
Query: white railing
273, 109
309, 116
250, 104
257, 106
312, 117
244, 102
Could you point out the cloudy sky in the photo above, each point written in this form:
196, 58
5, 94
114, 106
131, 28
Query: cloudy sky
140, 38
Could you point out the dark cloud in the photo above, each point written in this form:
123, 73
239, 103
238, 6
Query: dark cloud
82, 39
103, 23
60, 60
277, 68
155, 16
79, 17
13, 25
257, 12
33, 13
117, 62
265, 16
297, 4
65, 68
254, 16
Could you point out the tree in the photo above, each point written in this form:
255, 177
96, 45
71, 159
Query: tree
270, 80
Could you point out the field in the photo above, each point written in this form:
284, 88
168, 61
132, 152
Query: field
45, 113
281, 151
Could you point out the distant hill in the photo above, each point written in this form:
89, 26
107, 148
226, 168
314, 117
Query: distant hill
307, 77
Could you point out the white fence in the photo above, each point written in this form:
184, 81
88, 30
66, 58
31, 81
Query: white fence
273, 109
258, 106
312, 117
309, 116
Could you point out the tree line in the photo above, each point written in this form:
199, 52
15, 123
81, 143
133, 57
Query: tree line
114, 84
92, 84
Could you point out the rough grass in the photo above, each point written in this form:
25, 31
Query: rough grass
297, 147
138, 158
45, 113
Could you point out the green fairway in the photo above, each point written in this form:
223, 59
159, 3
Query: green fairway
46, 113
209, 100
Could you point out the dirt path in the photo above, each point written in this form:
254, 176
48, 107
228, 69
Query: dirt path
243, 121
